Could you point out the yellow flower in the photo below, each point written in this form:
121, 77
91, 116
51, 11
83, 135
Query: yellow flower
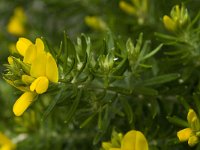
42, 69
16, 25
190, 134
134, 140
6, 143
42, 63
23, 102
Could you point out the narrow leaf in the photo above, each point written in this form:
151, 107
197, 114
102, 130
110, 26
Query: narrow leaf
152, 52
161, 79
177, 121
73, 108
128, 110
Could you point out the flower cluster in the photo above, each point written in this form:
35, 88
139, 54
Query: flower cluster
31, 72
179, 17
132, 140
192, 133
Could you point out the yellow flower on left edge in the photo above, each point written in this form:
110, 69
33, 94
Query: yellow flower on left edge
31, 74
16, 24
6, 143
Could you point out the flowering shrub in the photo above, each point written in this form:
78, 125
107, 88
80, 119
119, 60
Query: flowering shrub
124, 75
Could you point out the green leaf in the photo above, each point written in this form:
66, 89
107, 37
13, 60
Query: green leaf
73, 107
178, 121
184, 102
120, 90
139, 43
197, 102
155, 108
69, 54
128, 110
52, 105
161, 79
152, 52
110, 42
145, 91
87, 120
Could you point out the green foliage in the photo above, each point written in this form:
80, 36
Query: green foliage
132, 75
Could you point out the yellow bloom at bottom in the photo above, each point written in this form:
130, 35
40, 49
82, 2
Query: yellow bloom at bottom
134, 140
23, 102
6, 143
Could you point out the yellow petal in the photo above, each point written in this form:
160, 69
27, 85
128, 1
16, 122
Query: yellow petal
6, 143
51, 68
40, 85
191, 115
30, 54
39, 45
4, 140
38, 67
134, 140
22, 45
23, 102
193, 140
184, 135
169, 23
15, 26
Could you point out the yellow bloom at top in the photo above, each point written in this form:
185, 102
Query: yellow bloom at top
132, 140
16, 25
39, 69
42, 63
6, 143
